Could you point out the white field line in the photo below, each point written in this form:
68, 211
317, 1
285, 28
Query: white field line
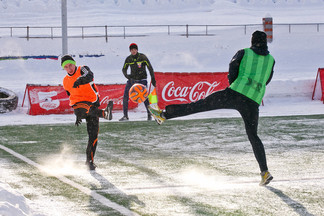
87, 191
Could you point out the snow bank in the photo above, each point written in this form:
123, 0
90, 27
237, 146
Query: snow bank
126, 6
12, 203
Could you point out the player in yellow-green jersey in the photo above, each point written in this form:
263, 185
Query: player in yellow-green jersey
250, 70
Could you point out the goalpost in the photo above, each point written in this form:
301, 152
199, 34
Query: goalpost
64, 28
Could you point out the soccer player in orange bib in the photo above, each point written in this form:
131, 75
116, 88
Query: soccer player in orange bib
84, 98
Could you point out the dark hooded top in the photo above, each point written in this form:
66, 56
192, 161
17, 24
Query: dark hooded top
259, 46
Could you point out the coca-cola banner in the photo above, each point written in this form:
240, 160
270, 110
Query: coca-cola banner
48, 99
177, 88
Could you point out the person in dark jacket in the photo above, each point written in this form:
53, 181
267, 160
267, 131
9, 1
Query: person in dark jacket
84, 99
250, 70
137, 63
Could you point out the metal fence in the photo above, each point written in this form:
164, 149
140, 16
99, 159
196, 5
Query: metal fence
31, 32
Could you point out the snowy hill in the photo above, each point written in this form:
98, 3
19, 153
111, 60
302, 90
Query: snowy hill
114, 12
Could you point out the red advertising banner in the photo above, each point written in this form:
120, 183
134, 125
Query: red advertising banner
44, 100
177, 88
320, 79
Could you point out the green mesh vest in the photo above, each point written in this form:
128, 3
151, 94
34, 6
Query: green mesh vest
254, 72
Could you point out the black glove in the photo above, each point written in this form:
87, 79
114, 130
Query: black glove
76, 83
153, 82
78, 121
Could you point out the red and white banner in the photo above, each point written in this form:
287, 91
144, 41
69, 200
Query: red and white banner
177, 88
172, 88
319, 84
45, 100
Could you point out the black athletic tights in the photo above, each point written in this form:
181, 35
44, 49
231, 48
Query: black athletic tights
227, 99
90, 112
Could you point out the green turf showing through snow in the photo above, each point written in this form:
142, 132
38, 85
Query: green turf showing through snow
183, 167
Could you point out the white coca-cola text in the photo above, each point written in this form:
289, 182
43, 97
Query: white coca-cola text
171, 92
117, 101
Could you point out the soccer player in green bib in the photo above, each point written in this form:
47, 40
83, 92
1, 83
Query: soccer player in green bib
250, 70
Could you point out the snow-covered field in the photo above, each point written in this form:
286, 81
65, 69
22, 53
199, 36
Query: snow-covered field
298, 54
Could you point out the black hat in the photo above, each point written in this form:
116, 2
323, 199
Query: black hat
259, 39
66, 59
133, 46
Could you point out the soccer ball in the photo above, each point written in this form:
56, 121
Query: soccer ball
138, 93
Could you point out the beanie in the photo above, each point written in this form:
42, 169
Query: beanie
259, 39
133, 46
66, 59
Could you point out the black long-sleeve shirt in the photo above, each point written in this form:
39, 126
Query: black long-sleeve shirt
138, 64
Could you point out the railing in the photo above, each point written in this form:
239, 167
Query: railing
106, 31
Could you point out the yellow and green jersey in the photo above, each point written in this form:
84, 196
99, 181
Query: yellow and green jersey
254, 72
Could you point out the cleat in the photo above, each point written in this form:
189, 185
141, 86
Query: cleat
266, 177
157, 115
149, 117
108, 110
91, 165
124, 118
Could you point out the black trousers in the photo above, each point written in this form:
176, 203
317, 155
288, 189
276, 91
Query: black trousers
91, 113
227, 99
129, 84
